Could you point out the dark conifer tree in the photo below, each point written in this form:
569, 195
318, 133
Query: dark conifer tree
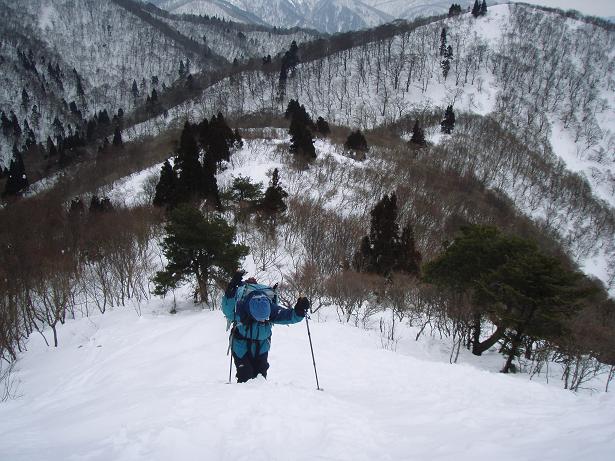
217, 139
476, 9
200, 247
117, 137
322, 126
58, 128
443, 41
356, 141
166, 189
15, 125
210, 184
380, 248
454, 10
243, 190
408, 257
76, 209
188, 166
237, 139
135, 89
301, 141
17, 179
273, 202
25, 99
291, 109
418, 135
103, 117
448, 124
483, 8
6, 124
202, 130
51, 148
35, 116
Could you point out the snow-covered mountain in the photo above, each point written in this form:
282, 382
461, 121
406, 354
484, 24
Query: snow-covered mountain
399, 77
324, 15
63, 62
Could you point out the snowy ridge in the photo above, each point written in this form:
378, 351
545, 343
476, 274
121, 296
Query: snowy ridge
324, 15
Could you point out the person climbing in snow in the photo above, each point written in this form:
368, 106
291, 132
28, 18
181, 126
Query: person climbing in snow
251, 309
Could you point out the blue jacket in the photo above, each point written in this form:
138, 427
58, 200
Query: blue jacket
255, 336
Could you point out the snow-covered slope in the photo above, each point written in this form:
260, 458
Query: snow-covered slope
154, 387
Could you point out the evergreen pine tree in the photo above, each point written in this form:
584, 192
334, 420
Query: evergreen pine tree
418, 135
6, 124
210, 183
243, 190
483, 8
443, 41
291, 109
448, 124
188, 166
135, 89
378, 251
356, 141
273, 201
454, 10
301, 141
289, 60
15, 125
218, 139
322, 126
117, 137
100, 204
197, 247
408, 257
25, 99
166, 189
17, 179
51, 148
237, 139
476, 9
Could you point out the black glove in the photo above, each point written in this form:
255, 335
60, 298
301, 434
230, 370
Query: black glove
302, 306
231, 288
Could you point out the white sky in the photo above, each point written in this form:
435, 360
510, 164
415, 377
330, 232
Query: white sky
588, 7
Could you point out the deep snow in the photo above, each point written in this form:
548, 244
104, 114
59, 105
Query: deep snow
154, 387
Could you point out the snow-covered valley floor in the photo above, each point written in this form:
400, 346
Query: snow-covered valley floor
154, 387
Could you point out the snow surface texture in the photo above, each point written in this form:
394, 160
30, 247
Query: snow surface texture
154, 387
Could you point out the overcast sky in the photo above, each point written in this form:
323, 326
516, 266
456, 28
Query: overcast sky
588, 7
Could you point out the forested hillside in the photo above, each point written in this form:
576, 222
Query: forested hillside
57, 97
541, 121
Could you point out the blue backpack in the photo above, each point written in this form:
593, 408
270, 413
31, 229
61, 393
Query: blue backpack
242, 298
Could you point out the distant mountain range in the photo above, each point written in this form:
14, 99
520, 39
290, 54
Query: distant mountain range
324, 15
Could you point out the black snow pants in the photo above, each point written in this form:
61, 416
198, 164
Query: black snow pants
249, 367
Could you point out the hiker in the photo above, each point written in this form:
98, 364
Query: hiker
252, 308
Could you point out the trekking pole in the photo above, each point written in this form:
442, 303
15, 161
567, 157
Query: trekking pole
230, 352
307, 324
